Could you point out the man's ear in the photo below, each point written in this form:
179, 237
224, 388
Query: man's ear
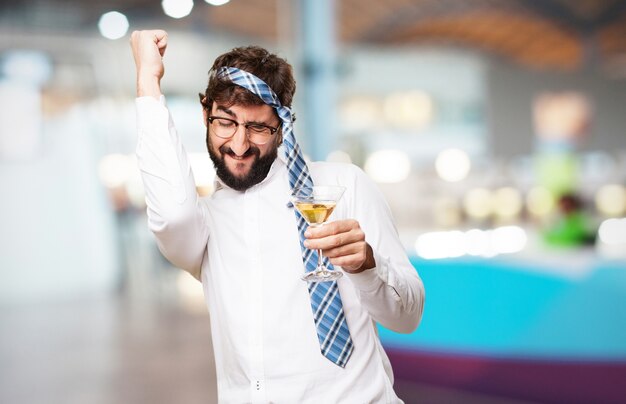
205, 113
279, 138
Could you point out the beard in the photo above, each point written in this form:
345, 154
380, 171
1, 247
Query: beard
258, 170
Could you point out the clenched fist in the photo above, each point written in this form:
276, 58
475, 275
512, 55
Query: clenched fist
148, 50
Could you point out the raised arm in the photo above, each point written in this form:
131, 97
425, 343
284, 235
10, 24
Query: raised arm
175, 215
148, 51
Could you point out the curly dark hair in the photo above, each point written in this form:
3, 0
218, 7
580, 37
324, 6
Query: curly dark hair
275, 71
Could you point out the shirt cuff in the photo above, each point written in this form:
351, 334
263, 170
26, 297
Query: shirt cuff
373, 278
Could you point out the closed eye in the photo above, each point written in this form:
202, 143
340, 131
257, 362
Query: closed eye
224, 122
258, 128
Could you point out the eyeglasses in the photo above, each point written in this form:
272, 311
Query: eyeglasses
226, 128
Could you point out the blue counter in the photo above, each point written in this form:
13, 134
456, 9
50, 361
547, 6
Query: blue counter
514, 315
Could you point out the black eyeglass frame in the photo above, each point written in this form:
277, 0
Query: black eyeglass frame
245, 125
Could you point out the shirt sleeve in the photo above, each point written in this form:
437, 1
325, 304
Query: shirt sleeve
392, 292
175, 214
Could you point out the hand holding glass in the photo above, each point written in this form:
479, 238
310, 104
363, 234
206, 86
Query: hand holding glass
316, 204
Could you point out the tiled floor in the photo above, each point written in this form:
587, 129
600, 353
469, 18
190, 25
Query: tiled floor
137, 350
105, 351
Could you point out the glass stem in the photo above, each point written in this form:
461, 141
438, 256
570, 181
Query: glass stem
320, 266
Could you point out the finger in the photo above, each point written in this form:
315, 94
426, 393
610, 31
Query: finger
358, 262
158, 34
330, 228
335, 240
160, 38
346, 250
348, 262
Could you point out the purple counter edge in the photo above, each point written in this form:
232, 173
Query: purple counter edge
540, 380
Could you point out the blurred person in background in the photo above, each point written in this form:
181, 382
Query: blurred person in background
275, 337
571, 227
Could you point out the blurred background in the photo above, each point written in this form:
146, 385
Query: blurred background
495, 128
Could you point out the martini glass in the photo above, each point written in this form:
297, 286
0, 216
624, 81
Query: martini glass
315, 204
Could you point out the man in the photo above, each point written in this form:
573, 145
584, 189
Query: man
276, 338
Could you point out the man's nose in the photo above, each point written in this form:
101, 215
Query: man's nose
239, 143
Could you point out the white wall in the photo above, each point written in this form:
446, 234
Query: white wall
57, 237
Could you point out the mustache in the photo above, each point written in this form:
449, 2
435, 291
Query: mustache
252, 151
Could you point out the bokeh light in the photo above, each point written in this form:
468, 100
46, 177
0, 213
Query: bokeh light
508, 239
388, 166
478, 203
613, 231
413, 109
539, 201
611, 200
360, 113
475, 242
442, 244
217, 2
113, 25
177, 8
338, 156
507, 203
453, 165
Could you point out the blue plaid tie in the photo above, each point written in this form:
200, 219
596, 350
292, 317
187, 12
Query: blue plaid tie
332, 328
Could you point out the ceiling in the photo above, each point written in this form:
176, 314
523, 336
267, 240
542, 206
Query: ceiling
561, 35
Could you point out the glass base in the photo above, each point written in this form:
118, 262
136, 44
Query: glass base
322, 275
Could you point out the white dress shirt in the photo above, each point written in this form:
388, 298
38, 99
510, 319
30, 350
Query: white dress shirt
244, 247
